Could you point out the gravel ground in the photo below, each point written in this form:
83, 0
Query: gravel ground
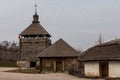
50, 76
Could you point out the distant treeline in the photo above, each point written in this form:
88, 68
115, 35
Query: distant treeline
9, 51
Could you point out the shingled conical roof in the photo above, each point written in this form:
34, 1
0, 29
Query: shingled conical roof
59, 49
35, 28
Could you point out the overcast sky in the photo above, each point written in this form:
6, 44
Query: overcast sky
78, 22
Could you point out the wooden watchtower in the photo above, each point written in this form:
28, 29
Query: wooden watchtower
33, 40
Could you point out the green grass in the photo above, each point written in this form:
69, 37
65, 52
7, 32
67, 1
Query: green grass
8, 64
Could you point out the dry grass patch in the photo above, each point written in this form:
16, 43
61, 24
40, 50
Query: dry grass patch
28, 71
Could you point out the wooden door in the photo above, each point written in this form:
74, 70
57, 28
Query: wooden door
59, 66
103, 69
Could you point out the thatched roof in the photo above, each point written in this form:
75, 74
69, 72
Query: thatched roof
35, 28
59, 49
106, 51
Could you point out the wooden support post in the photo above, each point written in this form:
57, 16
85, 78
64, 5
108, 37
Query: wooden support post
54, 66
63, 66
40, 65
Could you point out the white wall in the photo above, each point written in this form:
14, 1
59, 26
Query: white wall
92, 69
114, 69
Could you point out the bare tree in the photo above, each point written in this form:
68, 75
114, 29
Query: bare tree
5, 44
9, 50
80, 50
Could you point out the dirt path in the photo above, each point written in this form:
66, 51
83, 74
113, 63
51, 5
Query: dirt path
21, 76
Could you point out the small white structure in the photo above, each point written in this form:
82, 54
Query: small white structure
102, 61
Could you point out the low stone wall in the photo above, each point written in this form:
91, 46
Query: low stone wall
75, 72
24, 64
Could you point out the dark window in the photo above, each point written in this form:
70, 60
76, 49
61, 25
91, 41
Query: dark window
32, 64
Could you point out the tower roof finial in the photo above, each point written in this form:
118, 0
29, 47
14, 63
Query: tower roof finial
35, 8
35, 16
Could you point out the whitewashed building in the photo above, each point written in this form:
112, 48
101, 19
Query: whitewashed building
103, 60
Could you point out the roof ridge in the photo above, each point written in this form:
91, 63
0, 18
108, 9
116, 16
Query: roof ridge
59, 49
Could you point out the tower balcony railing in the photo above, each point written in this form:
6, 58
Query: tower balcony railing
33, 39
